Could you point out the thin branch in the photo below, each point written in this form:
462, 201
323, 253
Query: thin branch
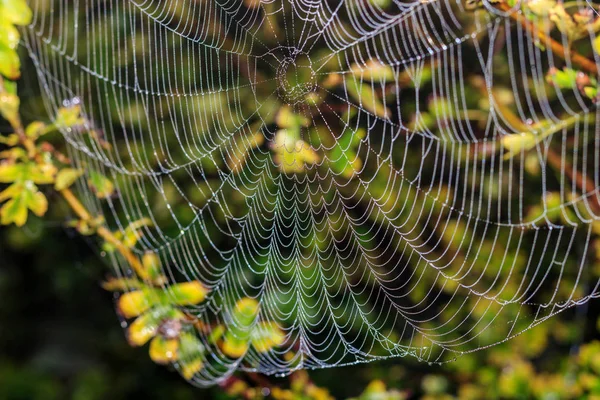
557, 48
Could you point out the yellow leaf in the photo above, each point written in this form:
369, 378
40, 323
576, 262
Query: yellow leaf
121, 284
10, 64
15, 11
366, 96
10, 172
68, 117
248, 307
134, 303
152, 269
101, 185
66, 177
12, 191
188, 293
14, 211
266, 336
9, 35
291, 153
35, 130
234, 348
9, 140
9, 103
38, 204
142, 329
163, 351
373, 70
190, 368
40, 174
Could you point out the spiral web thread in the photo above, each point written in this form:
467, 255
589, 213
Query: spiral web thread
426, 248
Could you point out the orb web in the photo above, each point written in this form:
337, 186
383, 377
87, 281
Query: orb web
345, 163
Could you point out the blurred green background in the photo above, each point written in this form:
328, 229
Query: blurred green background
61, 337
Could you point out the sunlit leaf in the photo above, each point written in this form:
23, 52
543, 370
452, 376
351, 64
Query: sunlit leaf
10, 64
9, 34
35, 130
101, 185
9, 140
152, 268
163, 351
143, 329
37, 203
9, 103
187, 293
10, 172
367, 97
132, 304
266, 336
237, 337
191, 353
286, 118
14, 211
344, 160
15, 11
291, 153
66, 177
121, 284
373, 70
68, 117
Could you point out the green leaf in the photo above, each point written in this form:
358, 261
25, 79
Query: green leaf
68, 117
373, 70
563, 79
237, 338
344, 160
367, 98
286, 118
291, 153
66, 177
35, 130
23, 197
266, 336
152, 268
10, 87
441, 108
191, 353
591, 92
101, 185
16, 11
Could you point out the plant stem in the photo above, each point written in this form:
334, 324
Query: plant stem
584, 183
102, 231
557, 48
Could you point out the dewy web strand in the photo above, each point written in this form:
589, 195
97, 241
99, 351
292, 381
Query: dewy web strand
274, 148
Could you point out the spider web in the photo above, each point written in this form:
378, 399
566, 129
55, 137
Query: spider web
425, 247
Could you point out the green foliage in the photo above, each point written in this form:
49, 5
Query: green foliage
159, 318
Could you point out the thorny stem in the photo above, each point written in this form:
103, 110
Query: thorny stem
557, 48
